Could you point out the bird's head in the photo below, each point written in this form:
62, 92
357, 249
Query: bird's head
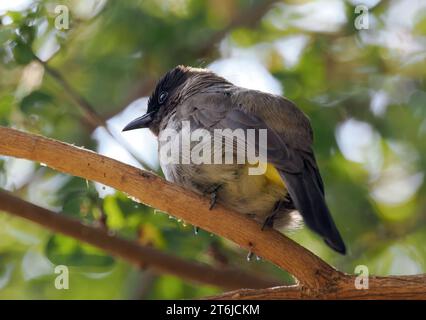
167, 95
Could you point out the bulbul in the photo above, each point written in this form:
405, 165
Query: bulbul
291, 184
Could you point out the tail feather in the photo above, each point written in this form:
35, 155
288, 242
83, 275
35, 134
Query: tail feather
306, 191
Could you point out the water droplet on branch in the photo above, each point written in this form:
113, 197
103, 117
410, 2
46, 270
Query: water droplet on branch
249, 256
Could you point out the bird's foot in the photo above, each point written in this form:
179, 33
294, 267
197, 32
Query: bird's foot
269, 221
213, 197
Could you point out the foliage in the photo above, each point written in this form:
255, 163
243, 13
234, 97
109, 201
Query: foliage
364, 91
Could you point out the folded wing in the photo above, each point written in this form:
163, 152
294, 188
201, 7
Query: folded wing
289, 147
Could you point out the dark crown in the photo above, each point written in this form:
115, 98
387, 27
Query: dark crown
168, 82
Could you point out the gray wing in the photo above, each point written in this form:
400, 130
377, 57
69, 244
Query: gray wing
289, 146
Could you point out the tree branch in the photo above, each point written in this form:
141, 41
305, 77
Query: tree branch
388, 288
246, 18
316, 278
90, 115
158, 193
131, 251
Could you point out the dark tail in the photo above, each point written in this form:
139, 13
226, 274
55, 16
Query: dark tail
307, 192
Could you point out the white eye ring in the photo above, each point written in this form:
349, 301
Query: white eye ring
162, 97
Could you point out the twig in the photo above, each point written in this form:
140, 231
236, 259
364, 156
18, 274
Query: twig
130, 250
316, 278
248, 17
158, 193
89, 112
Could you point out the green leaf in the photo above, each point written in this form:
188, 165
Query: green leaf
77, 205
33, 102
6, 106
67, 251
6, 33
16, 16
22, 52
27, 34
116, 218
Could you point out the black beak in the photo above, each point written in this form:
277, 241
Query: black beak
141, 122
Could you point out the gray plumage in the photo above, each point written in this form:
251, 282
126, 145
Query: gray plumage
210, 102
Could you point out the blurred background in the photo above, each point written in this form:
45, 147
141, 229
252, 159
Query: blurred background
356, 68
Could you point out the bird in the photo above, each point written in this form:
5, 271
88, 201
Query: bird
291, 187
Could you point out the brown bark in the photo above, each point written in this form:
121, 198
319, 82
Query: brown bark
384, 288
131, 251
152, 190
316, 278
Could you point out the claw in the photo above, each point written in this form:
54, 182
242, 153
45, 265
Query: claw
213, 197
269, 221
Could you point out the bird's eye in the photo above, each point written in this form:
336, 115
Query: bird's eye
162, 97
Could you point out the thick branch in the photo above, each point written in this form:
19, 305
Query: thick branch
389, 288
317, 279
154, 191
88, 110
131, 251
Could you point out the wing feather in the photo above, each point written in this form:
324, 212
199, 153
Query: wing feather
289, 146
